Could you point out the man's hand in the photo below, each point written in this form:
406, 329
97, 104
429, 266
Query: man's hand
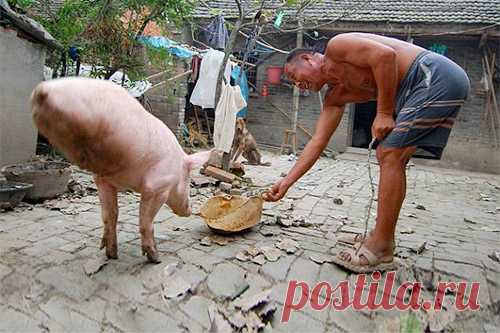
278, 191
382, 125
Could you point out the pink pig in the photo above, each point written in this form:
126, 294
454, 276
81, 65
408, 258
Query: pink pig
103, 129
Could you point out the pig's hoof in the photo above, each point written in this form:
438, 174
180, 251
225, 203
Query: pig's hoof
151, 253
111, 249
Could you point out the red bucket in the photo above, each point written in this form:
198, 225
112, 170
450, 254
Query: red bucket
274, 74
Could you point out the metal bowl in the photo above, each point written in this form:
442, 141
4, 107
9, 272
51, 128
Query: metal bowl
11, 193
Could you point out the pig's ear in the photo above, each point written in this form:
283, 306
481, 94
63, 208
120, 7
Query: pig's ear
195, 161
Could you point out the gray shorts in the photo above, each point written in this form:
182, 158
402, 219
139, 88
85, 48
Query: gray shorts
428, 101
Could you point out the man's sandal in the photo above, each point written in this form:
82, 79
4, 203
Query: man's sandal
355, 265
350, 239
353, 239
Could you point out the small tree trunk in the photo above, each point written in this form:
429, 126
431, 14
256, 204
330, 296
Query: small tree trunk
227, 52
296, 91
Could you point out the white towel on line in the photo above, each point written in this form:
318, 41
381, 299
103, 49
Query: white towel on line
204, 91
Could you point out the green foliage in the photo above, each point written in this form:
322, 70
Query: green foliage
106, 30
24, 4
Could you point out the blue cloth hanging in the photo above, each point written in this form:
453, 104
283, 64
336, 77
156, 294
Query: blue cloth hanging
167, 44
243, 83
216, 33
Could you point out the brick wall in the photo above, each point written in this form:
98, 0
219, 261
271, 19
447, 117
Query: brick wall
471, 145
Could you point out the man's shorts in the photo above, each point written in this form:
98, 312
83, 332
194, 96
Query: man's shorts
428, 101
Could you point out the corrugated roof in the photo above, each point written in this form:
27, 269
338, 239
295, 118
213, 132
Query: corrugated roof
393, 11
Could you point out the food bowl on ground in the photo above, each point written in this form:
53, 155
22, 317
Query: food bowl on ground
49, 179
11, 193
228, 214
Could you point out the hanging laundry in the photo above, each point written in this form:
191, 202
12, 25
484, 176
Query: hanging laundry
243, 83
231, 101
195, 67
204, 90
216, 33
171, 46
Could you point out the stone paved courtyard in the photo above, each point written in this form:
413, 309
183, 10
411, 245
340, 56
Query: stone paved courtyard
49, 254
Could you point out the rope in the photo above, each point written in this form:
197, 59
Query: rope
372, 192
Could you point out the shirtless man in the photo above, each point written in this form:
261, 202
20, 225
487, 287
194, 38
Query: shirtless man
418, 94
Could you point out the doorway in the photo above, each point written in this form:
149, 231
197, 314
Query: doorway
364, 114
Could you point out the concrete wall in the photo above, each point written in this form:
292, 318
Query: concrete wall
471, 145
21, 68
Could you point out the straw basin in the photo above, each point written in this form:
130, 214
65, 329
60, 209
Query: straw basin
232, 213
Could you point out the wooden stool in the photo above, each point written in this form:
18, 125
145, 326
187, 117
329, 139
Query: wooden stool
289, 141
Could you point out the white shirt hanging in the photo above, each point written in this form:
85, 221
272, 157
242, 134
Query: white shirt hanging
230, 103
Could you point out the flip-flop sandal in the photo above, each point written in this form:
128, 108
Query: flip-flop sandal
350, 239
374, 263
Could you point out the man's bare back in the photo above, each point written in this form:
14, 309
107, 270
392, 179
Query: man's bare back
350, 83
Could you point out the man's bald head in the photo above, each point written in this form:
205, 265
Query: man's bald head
294, 55
303, 68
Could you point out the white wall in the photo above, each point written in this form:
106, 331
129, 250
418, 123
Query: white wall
21, 69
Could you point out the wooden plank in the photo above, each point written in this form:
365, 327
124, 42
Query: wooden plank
219, 174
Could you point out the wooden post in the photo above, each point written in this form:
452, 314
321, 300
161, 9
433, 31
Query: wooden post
296, 90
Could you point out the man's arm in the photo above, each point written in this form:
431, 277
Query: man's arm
326, 125
366, 52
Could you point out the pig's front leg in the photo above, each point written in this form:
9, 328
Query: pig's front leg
149, 207
109, 213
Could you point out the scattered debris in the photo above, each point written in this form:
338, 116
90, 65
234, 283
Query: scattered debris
202, 181
250, 302
407, 231
288, 245
484, 197
259, 260
267, 231
253, 322
301, 221
419, 248
225, 187
217, 322
488, 229
215, 239
174, 286
93, 266
235, 191
267, 310
420, 207
466, 220
253, 251
242, 256
495, 256
205, 241
338, 201
219, 174
491, 212
271, 253
412, 215
237, 320
285, 222
321, 258
283, 174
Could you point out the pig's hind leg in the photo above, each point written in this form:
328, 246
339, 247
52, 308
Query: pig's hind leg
149, 207
109, 212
